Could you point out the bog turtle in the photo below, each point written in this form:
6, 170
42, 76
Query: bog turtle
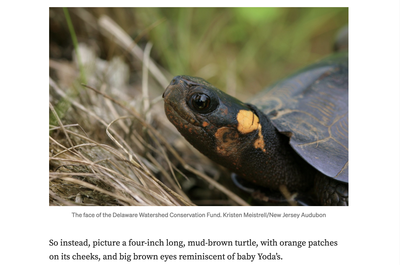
294, 133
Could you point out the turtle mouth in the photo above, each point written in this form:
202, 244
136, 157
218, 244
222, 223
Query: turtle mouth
171, 109
175, 117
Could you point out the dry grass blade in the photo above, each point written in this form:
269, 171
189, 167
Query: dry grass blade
290, 198
127, 43
145, 82
59, 122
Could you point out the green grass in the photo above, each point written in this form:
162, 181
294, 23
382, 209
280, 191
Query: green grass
255, 46
75, 42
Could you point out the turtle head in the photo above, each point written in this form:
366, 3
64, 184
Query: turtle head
234, 134
218, 125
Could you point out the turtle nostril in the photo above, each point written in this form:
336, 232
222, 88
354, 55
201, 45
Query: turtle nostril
175, 80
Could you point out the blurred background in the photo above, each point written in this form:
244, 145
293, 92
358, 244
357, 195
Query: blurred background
131, 54
240, 50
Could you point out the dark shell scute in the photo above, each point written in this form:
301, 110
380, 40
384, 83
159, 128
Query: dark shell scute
311, 107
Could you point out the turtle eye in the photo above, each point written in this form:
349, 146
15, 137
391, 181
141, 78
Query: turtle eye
201, 102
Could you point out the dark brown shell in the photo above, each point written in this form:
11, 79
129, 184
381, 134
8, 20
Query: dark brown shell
311, 107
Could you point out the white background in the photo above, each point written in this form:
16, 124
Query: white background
367, 231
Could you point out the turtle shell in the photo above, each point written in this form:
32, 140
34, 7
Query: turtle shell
311, 107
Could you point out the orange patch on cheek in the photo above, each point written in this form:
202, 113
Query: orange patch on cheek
247, 121
259, 142
227, 141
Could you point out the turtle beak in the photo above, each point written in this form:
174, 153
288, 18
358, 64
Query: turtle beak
174, 81
167, 91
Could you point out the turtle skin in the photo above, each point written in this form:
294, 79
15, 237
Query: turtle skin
292, 134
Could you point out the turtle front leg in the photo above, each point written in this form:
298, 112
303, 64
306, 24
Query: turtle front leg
330, 192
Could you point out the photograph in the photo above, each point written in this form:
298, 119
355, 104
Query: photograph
198, 106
